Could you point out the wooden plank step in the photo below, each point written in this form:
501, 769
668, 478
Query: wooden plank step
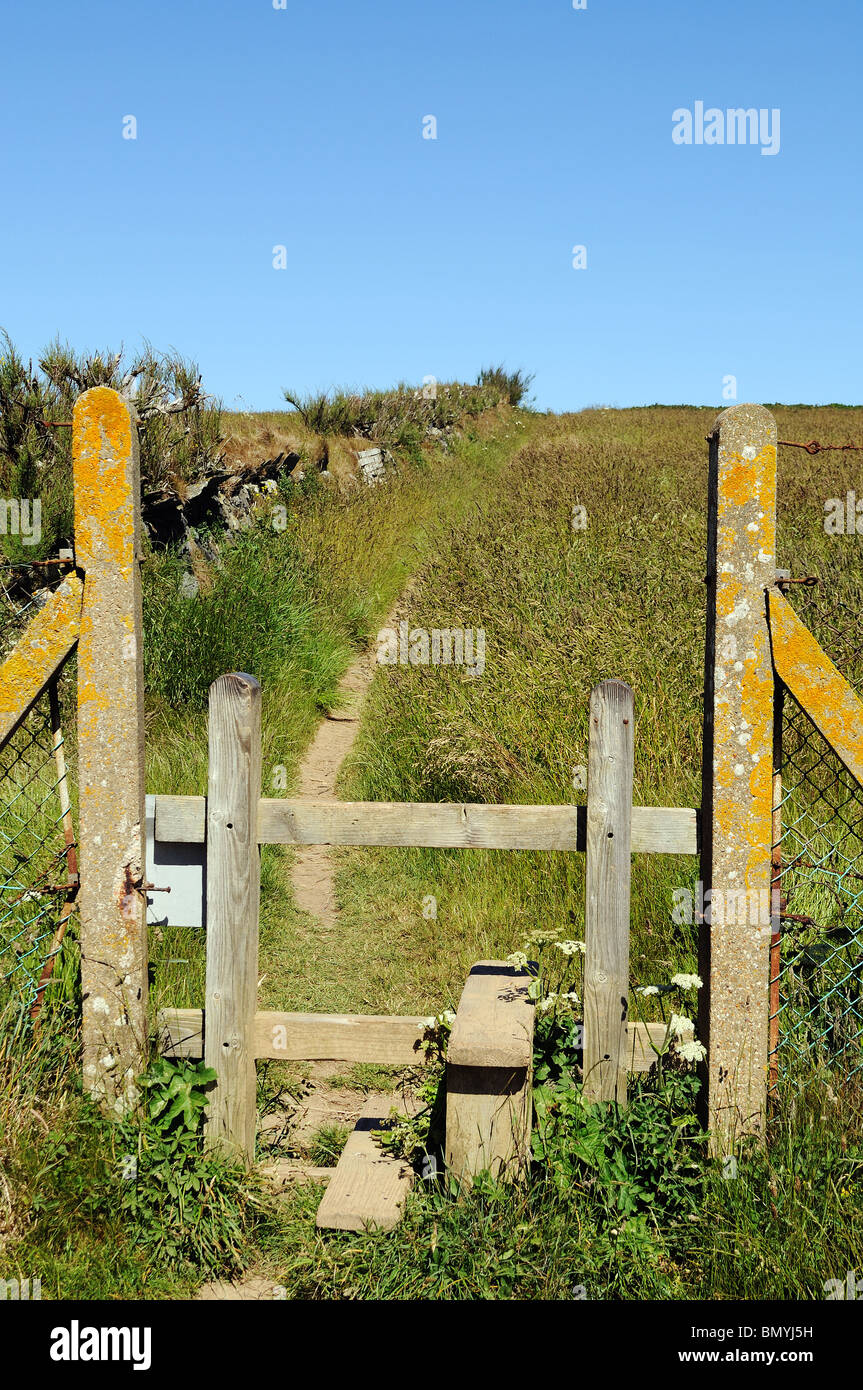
494, 1021
368, 1187
489, 1098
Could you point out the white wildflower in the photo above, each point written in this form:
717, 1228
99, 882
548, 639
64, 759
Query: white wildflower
542, 936
679, 1025
435, 1020
691, 1051
687, 981
648, 989
571, 948
547, 1004
518, 959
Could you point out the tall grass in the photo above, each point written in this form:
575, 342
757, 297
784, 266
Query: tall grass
292, 607
563, 609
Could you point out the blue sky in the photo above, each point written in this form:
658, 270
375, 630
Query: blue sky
407, 257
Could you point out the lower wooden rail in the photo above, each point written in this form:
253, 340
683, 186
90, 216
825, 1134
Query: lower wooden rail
386, 1040
294, 1037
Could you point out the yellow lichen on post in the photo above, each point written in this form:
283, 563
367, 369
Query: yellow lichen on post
737, 772
110, 747
834, 708
39, 653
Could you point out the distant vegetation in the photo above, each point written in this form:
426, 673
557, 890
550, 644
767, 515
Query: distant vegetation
402, 416
180, 429
184, 432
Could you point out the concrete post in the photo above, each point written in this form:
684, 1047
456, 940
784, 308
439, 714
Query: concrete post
110, 748
736, 802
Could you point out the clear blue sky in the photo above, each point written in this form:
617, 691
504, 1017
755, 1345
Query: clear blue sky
407, 257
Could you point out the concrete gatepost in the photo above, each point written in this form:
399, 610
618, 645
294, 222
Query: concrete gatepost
735, 934
110, 748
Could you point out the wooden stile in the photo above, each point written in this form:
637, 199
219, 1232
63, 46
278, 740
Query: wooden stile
387, 1040
609, 818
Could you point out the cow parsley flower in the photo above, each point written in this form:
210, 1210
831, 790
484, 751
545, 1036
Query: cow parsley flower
687, 981
570, 948
648, 989
692, 1051
542, 936
679, 1025
518, 959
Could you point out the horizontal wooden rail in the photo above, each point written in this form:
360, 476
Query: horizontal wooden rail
433, 824
385, 1040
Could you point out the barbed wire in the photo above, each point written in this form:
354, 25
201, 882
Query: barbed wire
813, 447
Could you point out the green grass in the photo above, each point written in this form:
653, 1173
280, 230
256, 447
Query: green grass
326, 1145
293, 608
562, 610
788, 1220
484, 535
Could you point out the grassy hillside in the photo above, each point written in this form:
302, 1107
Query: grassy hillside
561, 610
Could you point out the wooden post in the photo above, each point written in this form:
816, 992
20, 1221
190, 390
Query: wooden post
489, 1069
110, 748
233, 894
606, 965
737, 791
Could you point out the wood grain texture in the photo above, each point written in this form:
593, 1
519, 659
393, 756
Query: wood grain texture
495, 1018
180, 1034
387, 1041
609, 818
488, 1074
233, 891
369, 1188
655, 829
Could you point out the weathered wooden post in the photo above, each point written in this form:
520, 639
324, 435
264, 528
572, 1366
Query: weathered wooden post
606, 963
110, 747
233, 896
489, 1072
737, 775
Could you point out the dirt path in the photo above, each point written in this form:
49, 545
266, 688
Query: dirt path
313, 881
312, 874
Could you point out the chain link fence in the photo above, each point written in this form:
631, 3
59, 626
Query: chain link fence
38, 852
816, 1004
